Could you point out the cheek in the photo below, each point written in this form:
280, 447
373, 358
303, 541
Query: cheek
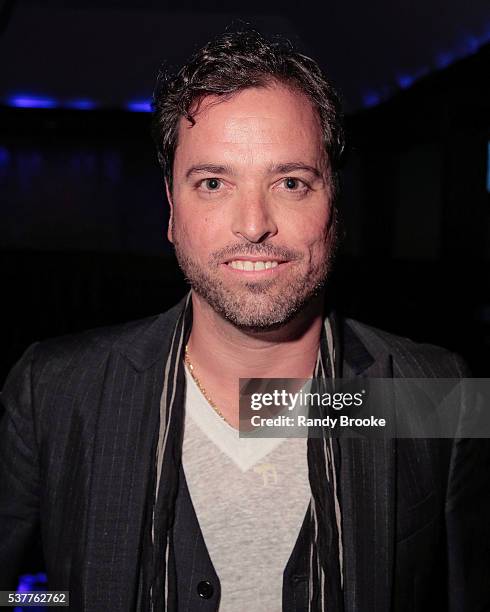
198, 233
313, 232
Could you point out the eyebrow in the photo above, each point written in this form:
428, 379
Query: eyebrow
294, 167
209, 169
286, 168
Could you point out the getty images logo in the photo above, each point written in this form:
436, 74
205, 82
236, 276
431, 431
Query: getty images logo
286, 399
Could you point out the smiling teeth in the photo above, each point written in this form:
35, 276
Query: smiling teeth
239, 264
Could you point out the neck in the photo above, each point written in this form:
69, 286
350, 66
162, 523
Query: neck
221, 353
288, 352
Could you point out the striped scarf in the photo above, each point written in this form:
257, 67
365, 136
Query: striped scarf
157, 587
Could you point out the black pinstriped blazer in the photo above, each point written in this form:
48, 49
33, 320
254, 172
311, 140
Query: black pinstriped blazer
75, 452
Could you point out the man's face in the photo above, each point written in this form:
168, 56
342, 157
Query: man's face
252, 219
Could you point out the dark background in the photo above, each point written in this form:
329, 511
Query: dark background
83, 212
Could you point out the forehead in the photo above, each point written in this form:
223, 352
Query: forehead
275, 120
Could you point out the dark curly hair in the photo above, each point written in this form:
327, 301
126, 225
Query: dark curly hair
234, 61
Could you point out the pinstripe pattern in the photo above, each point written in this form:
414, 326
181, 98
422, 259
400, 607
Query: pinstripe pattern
78, 451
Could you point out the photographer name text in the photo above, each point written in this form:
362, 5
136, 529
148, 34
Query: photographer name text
304, 421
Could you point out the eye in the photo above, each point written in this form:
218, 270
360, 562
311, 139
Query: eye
294, 185
291, 183
211, 184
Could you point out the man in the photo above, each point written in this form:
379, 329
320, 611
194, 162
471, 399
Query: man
122, 443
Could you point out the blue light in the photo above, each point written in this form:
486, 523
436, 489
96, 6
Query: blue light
27, 582
31, 102
371, 99
443, 60
143, 106
32, 583
4, 156
485, 37
471, 45
81, 104
488, 167
421, 72
404, 80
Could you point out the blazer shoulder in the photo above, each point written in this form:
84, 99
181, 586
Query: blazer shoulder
87, 344
410, 358
90, 348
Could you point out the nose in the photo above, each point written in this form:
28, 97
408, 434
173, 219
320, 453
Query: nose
253, 219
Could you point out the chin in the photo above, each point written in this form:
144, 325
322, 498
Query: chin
257, 325
256, 314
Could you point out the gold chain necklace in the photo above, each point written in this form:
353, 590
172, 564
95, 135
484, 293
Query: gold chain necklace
200, 386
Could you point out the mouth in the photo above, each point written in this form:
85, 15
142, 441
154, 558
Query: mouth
253, 265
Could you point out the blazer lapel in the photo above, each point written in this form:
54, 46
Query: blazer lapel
367, 497
122, 463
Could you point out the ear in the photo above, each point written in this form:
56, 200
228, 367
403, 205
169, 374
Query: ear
171, 204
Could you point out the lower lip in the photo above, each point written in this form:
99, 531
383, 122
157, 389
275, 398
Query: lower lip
257, 273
